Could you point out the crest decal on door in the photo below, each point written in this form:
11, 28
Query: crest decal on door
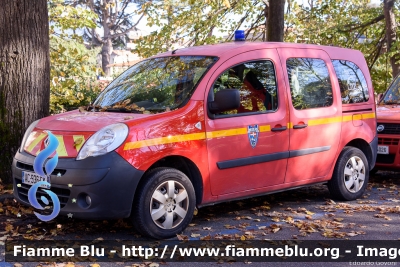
252, 132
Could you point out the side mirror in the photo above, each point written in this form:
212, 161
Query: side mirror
379, 98
224, 100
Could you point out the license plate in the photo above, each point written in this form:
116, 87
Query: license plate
31, 178
383, 149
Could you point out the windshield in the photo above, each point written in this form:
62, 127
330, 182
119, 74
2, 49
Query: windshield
154, 85
392, 95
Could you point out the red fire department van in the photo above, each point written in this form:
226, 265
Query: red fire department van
207, 124
388, 117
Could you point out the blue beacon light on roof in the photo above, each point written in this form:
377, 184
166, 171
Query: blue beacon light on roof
239, 35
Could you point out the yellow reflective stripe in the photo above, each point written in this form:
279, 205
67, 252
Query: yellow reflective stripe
339, 119
265, 128
224, 133
237, 131
324, 121
61, 150
35, 142
190, 137
233, 132
368, 116
76, 137
364, 116
347, 118
165, 140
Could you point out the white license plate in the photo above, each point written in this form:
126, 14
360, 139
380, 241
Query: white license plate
383, 149
31, 178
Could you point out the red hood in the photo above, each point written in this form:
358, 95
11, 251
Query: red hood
72, 129
387, 113
84, 121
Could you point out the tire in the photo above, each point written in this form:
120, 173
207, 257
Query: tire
350, 176
164, 204
373, 171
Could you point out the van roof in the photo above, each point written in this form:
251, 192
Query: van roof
222, 49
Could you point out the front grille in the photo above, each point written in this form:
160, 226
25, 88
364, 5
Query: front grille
388, 141
385, 159
390, 128
63, 194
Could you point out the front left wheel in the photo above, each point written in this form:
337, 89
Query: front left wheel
164, 204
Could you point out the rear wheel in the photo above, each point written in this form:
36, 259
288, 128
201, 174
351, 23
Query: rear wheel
164, 204
350, 176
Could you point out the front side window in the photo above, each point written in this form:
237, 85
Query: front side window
256, 84
353, 86
310, 85
155, 85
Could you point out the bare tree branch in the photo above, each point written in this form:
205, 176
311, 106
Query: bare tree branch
94, 36
124, 6
376, 52
364, 25
229, 38
255, 23
116, 35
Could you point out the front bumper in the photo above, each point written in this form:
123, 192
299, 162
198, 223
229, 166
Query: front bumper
389, 161
109, 181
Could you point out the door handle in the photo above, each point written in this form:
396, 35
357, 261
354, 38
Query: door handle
278, 129
300, 126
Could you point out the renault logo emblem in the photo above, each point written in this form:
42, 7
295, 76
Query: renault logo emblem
380, 128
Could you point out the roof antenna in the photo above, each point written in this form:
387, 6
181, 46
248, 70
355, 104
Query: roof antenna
174, 51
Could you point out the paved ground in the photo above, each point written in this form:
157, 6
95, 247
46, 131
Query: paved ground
302, 214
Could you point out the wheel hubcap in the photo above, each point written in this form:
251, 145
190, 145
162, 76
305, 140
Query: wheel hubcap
169, 204
354, 174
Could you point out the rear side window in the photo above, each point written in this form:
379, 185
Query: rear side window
310, 85
353, 86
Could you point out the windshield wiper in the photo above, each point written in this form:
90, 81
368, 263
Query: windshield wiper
121, 109
97, 108
89, 108
390, 102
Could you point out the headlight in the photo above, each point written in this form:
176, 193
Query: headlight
103, 141
27, 133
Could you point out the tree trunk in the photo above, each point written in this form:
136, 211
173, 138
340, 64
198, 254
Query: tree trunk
106, 51
275, 22
24, 73
388, 6
107, 47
